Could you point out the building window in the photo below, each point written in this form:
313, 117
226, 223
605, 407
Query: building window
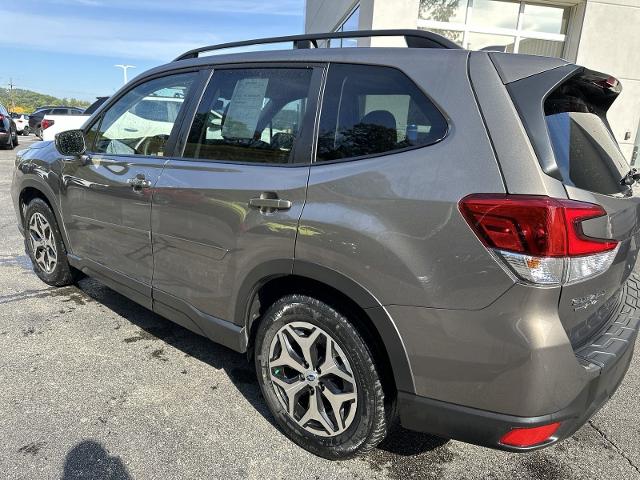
349, 24
506, 25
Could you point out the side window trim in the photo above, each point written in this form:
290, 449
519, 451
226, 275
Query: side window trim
186, 117
303, 150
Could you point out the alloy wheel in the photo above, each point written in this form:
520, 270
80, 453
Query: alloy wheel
43, 245
312, 379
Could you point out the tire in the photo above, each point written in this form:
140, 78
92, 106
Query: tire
42, 229
360, 400
9, 145
16, 142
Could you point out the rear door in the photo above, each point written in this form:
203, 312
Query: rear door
577, 147
232, 203
106, 199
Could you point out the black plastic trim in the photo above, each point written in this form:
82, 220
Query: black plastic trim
130, 288
216, 329
382, 321
414, 39
529, 95
49, 194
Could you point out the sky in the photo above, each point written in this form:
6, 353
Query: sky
68, 48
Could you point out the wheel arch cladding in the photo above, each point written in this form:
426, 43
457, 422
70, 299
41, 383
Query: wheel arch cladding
345, 296
31, 189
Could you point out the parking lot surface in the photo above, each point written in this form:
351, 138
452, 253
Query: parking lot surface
93, 386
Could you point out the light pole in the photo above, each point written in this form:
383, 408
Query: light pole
124, 70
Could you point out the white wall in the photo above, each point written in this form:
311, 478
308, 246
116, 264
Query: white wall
325, 15
391, 14
610, 43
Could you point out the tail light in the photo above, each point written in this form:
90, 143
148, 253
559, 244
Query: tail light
540, 238
47, 123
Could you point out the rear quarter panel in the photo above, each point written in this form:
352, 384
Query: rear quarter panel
391, 223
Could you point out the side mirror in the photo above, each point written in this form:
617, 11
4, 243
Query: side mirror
71, 143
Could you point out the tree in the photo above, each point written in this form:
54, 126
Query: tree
439, 10
442, 11
28, 101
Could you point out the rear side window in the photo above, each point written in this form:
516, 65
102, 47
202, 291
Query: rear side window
250, 115
369, 110
586, 152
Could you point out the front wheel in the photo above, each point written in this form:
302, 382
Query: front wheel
319, 379
44, 245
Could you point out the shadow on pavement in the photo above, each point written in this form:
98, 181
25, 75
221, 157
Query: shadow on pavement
154, 327
90, 461
408, 443
401, 442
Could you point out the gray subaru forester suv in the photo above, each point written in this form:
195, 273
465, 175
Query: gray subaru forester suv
424, 235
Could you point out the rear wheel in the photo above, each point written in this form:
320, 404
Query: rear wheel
319, 379
10, 145
44, 245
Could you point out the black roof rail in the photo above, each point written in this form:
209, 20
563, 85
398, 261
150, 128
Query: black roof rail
414, 39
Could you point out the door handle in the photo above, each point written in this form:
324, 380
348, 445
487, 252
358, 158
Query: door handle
139, 182
269, 202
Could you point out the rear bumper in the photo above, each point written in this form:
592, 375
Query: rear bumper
4, 137
604, 361
485, 428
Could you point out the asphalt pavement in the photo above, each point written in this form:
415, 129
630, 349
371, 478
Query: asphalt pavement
93, 386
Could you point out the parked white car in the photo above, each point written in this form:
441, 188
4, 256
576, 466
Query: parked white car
22, 123
53, 124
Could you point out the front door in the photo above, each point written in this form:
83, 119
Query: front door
234, 199
106, 200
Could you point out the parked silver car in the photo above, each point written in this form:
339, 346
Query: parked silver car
427, 234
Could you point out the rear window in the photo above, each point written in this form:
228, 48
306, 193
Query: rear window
586, 152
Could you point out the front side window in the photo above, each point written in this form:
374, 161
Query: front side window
370, 110
141, 122
252, 115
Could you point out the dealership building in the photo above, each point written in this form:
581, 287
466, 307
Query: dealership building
603, 35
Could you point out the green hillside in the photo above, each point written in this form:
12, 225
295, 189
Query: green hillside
26, 101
